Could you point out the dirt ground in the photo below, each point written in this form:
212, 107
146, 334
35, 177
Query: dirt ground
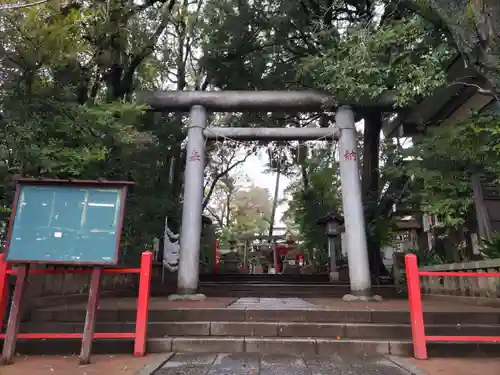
59, 365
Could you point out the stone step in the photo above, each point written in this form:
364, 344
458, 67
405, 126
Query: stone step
272, 290
272, 329
263, 278
238, 289
290, 346
260, 315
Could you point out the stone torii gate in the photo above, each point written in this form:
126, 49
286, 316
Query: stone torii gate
199, 102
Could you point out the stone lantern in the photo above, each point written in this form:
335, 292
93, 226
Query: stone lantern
333, 225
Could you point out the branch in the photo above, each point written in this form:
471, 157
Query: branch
392, 196
146, 5
188, 35
220, 175
216, 217
26, 37
150, 46
205, 84
15, 63
424, 10
480, 90
22, 5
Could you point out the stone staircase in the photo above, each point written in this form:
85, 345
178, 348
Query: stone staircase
295, 329
266, 278
283, 290
269, 286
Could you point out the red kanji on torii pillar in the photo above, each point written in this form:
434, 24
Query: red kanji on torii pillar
195, 156
350, 155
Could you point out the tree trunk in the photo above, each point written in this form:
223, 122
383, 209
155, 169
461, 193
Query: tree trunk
371, 148
472, 236
483, 218
370, 188
451, 242
301, 161
229, 197
422, 236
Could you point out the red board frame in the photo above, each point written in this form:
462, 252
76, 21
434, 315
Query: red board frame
87, 183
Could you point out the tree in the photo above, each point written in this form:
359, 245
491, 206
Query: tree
239, 211
474, 29
401, 55
68, 74
349, 51
446, 162
252, 210
322, 194
224, 158
219, 205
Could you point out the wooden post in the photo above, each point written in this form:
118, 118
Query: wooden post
90, 318
141, 322
9, 344
4, 289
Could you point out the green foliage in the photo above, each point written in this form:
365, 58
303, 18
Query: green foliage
382, 231
95, 130
239, 211
442, 161
321, 195
401, 55
491, 248
69, 72
426, 257
66, 111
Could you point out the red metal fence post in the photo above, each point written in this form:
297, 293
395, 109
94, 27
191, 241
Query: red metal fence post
4, 288
141, 323
416, 312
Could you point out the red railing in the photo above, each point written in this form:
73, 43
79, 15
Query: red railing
420, 339
140, 334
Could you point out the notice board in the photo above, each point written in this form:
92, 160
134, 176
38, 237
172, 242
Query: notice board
74, 223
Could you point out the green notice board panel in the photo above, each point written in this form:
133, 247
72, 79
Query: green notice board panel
67, 224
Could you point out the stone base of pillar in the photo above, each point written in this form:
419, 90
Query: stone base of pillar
187, 297
362, 298
334, 276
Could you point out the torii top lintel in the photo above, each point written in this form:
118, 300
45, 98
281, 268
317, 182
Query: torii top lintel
257, 101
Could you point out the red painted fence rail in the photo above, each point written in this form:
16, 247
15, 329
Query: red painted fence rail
140, 334
419, 337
